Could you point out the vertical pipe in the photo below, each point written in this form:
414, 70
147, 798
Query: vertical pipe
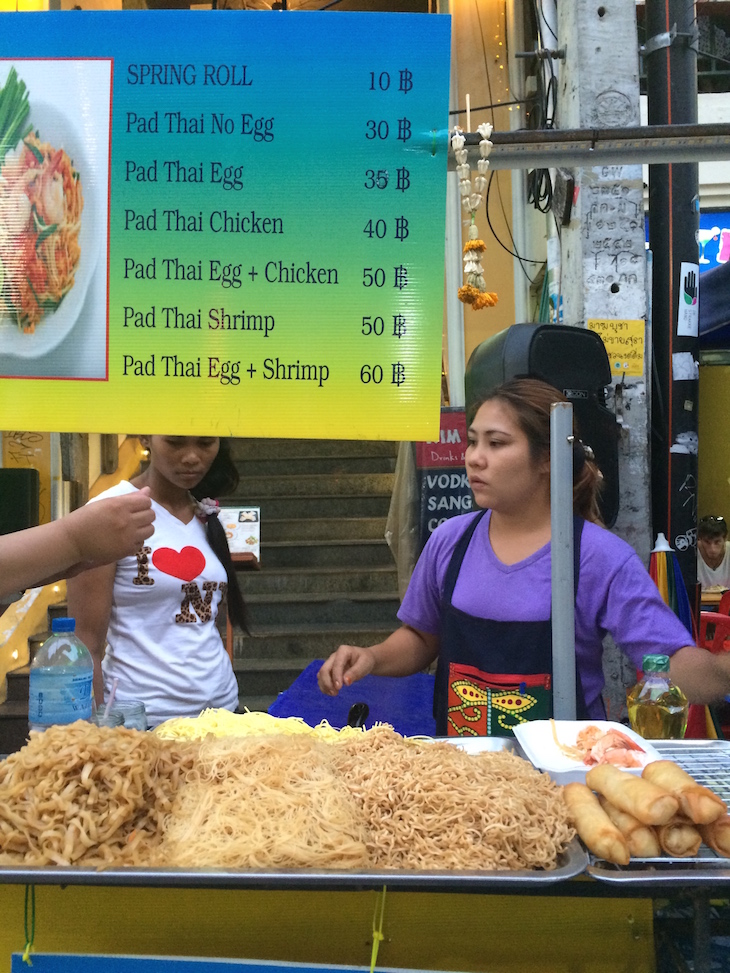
454, 268
671, 72
58, 506
515, 42
561, 559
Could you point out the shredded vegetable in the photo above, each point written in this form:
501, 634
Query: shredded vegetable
14, 112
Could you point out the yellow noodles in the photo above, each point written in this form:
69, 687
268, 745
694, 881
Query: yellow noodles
223, 723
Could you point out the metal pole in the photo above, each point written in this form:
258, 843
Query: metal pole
646, 144
671, 68
561, 560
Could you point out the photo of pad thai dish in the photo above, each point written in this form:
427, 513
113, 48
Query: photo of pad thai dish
41, 202
53, 217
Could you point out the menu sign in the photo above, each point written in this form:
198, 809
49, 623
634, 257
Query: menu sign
226, 223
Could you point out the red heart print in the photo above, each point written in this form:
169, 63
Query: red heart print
185, 564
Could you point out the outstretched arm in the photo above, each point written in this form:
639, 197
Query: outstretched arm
406, 651
702, 676
96, 534
90, 597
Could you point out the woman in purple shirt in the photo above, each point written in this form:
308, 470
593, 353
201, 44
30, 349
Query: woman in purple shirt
479, 600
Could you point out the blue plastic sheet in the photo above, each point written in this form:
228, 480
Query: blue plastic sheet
405, 702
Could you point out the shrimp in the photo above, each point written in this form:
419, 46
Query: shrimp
614, 747
588, 737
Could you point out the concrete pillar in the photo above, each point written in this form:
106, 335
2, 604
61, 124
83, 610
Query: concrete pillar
603, 263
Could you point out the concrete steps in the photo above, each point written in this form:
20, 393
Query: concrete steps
327, 576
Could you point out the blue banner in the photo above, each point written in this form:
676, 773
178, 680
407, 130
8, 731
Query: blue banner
76, 963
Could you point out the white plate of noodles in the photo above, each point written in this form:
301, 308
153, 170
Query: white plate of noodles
54, 216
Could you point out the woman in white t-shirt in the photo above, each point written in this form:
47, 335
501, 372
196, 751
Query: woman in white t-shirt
155, 612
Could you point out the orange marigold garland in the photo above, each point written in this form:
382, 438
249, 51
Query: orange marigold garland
474, 292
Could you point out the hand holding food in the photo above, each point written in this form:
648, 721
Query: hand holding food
594, 826
344, 667
697, 803
639, 797
110, 529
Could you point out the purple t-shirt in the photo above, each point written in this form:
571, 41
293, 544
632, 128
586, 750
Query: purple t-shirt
616, 596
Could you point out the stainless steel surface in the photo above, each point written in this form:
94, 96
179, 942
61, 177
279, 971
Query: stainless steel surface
561, 560
708, 761
537, 148
572, 862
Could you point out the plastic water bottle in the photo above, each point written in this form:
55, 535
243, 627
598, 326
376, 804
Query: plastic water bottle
61, 679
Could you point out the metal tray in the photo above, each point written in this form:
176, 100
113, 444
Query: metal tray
572, 862
709, 763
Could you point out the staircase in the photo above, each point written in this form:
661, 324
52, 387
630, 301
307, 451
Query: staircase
327, 575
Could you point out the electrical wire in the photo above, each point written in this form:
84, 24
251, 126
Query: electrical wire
513, 252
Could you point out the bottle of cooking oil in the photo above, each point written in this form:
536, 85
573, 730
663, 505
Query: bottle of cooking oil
657, 708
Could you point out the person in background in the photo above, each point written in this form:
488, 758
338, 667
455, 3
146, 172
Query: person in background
713, 553
156, 611
479, 600
86, 538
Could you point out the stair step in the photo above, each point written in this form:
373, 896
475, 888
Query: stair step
259, 449
267, 677
323, 528
342, 553
372, 608
18, 681
311, 641
256, 704
13, 725
304, 507
311, 465
309, 485
318, 579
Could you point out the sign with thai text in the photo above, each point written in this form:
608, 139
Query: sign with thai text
223, 223
624, 341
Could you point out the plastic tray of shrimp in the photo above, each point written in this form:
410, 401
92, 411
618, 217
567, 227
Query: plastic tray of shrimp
567, 749
708, 761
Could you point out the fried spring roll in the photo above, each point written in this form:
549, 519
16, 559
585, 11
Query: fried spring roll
638, 797
595, 828
679, 838
696, 802
716, 835
641, 839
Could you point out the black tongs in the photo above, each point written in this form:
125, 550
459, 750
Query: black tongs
358, 714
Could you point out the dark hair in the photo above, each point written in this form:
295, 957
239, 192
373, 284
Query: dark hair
221, 480
530, 400
712, 527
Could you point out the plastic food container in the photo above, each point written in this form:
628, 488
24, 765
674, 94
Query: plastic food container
538, 744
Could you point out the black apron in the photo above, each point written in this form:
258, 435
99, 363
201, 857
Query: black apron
477, 691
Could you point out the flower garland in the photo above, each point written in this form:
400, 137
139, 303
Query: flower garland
475, 291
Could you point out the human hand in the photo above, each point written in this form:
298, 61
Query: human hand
110, 529
344, 667
690, 288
